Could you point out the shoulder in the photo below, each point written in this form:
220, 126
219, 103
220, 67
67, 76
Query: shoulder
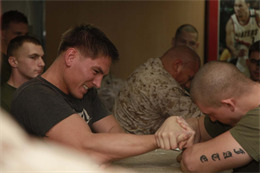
31, 87
34, 92
3, 87
233, 18
246, 132
230, 26
251, 119
254, 111
229, 23
7, 92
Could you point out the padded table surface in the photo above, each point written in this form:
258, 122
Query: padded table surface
157, 161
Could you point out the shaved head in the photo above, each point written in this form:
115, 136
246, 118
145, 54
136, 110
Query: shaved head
188, 28
182, 63
187, 54
216, 81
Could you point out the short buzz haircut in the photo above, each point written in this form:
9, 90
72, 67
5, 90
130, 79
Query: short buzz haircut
254, 48
12, 16
247, 1
90, 41
188, 28
18, 42
218, 80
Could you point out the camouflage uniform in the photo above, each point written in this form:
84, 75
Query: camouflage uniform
149, 97
109, 89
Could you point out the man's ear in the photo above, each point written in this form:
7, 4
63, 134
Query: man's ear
70, 56
229, 103
177, 65
173, 41
13, 62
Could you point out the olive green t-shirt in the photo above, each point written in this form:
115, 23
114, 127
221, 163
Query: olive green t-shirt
7, 92
5, 69
246, 132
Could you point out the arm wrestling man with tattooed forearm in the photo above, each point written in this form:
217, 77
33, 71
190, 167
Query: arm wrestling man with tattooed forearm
227, 137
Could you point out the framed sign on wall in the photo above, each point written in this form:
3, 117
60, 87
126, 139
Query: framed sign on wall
231, 27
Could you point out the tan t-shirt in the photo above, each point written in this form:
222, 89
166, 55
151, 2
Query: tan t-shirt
150, 96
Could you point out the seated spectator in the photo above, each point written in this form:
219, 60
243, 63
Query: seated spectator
14, 23
156, 91
253, 62
62, 104
186, 35
26, 59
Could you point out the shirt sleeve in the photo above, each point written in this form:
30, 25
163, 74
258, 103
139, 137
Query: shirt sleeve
246, 133
38, 108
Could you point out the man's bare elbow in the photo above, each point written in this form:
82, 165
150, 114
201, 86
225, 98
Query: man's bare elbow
187, 162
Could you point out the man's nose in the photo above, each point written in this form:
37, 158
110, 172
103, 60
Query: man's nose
258, 63
97, 81
187, 85
41, 62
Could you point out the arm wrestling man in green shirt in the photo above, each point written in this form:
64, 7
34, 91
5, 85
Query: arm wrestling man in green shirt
227, 137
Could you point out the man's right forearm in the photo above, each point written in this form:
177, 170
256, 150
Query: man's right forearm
109, 147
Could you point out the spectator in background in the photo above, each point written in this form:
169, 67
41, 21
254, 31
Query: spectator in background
253, 62
26, 59
186, 35
13, 24
111, 85
157, 90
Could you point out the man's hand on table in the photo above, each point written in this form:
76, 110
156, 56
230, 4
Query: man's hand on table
175, 133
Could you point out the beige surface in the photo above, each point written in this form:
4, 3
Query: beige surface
156, 161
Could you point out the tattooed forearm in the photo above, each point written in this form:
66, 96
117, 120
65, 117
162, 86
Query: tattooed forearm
226, 155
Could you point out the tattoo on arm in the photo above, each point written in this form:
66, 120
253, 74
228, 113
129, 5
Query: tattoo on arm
203, 158
240, 151
215, 157
227, 154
